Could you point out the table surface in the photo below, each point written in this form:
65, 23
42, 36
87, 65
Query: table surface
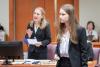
21, 63
96, 44
44, 63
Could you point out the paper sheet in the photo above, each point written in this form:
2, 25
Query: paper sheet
32, 41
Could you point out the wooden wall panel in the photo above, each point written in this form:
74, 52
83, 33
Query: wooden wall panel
76, 5
11, 20
61, 2
23, 15
50, 15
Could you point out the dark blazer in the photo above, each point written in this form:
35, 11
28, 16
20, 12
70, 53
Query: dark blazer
42, 35
77, 52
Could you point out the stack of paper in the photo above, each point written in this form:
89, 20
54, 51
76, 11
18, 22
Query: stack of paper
32, 41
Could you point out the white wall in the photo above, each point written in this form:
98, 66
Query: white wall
89, 10
4, 14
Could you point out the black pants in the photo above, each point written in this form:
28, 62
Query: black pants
90, 51
63, 62
33, 53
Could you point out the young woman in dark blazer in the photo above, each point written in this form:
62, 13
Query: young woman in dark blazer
38, 29
71, 48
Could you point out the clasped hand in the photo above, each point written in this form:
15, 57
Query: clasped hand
38, 44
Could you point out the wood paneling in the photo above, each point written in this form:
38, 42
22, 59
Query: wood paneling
11, 20
61, 2
49, 8
23, 15
76, 5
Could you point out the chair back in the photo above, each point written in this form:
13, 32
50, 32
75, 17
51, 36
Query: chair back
96, 52
51, 51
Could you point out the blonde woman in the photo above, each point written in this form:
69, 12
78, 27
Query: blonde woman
71, 48
38, 29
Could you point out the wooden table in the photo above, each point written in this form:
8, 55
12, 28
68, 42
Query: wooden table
43, 63
96, 44
27, 65
90, 64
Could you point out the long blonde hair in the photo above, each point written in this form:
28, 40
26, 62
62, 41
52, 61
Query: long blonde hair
43, 22
69, 9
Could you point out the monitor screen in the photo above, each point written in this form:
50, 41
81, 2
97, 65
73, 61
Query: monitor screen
11, 49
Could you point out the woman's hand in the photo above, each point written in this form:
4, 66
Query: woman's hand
38, 44
56, 57
29, 32
94, 39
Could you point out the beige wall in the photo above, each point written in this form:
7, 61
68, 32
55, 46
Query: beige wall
89, 10
4, 14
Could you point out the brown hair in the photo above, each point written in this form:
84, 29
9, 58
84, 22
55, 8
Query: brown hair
91, 22
69, 9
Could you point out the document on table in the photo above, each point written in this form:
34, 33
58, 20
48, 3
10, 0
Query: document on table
31, 61
18, 62
32, 41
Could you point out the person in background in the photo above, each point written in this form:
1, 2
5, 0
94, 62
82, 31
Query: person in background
2, 33
92, 36
2, 37
90, 31
71, 50
39, 30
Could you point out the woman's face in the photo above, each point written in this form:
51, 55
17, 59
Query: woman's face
90, 26
37, 15
63, 16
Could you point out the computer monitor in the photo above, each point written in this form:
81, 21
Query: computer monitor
11, 50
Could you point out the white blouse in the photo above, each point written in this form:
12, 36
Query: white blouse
35, 28
93, 32
64, 45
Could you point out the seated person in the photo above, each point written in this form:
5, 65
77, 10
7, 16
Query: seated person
91, 33
2, 33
